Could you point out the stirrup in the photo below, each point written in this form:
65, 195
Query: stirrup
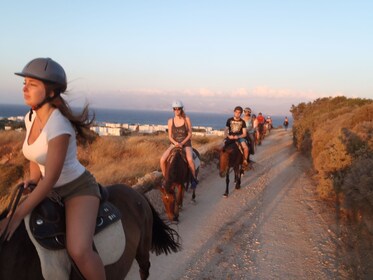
194, 182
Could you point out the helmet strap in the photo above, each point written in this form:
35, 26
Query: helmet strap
38, 106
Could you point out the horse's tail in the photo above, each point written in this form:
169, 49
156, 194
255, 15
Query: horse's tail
165, 239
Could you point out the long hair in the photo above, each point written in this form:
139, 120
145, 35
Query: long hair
182, 112
80, 121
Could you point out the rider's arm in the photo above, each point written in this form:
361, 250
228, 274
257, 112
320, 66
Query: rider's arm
170, 132
35, 174
226, 132
244, 133
57, 150
189, 126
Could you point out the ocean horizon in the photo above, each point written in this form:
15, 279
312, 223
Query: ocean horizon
214, 120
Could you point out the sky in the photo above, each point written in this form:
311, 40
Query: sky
210, 54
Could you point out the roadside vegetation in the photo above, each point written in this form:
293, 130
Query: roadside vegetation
337, 133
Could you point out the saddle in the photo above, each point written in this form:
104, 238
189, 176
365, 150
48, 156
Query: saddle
229, 142
173, 153
47, 221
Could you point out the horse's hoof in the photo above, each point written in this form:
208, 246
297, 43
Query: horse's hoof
238, 187
176, 219
225, 194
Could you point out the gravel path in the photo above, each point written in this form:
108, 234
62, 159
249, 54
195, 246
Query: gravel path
272, 228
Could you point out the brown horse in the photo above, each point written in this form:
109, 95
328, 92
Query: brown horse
145, 231
261, 130
231, 159
177, 175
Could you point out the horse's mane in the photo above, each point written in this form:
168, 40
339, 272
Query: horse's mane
175, 169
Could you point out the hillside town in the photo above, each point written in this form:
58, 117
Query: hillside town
115, 129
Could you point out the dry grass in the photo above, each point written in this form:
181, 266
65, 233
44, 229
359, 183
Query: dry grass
114, 159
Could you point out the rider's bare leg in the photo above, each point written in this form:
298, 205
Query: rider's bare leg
163, 159
189, 156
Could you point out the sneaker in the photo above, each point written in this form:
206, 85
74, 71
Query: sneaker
194, 183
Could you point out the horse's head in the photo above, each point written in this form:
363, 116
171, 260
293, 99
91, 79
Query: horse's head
169, 203
177, 167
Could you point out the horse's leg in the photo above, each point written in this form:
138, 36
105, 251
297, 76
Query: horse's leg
180, 194
179, 201
226, 184
237, 174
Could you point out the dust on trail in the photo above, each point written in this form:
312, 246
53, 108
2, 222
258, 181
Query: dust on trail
272, 228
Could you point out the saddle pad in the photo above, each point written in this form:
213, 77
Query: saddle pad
55, 264
196, 160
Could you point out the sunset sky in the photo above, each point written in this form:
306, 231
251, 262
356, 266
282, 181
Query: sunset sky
211, 54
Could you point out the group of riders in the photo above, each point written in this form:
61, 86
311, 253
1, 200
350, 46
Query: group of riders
50, 145
248, 131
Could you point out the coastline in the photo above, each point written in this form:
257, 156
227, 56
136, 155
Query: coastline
115, 117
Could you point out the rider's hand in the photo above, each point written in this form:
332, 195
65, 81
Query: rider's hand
28, 185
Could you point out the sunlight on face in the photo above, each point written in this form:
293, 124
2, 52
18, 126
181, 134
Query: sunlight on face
33, 91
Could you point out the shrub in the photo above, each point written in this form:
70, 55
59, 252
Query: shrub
338, 134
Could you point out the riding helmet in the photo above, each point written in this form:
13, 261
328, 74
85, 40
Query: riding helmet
45, 69
177, 104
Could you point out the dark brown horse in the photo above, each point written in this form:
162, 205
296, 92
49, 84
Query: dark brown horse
177, 175
145, 231
261, 130
231, 159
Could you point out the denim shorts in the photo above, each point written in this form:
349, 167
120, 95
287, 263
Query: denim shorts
85, 184
240, 140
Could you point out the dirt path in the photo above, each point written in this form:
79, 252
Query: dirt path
272, 228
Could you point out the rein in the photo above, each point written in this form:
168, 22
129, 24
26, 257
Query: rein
14, 201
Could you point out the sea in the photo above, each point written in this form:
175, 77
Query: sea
215, 120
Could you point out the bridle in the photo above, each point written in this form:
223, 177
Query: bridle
14, 201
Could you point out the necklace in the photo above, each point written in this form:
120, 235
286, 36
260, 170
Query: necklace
40, 124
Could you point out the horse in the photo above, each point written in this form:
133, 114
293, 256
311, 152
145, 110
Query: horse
145, 231
177, 176
231, 158
261, 130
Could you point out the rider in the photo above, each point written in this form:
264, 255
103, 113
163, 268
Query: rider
249, 129
50, 146
236, 130
180, 134
269, 123
261, 122
286, 123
